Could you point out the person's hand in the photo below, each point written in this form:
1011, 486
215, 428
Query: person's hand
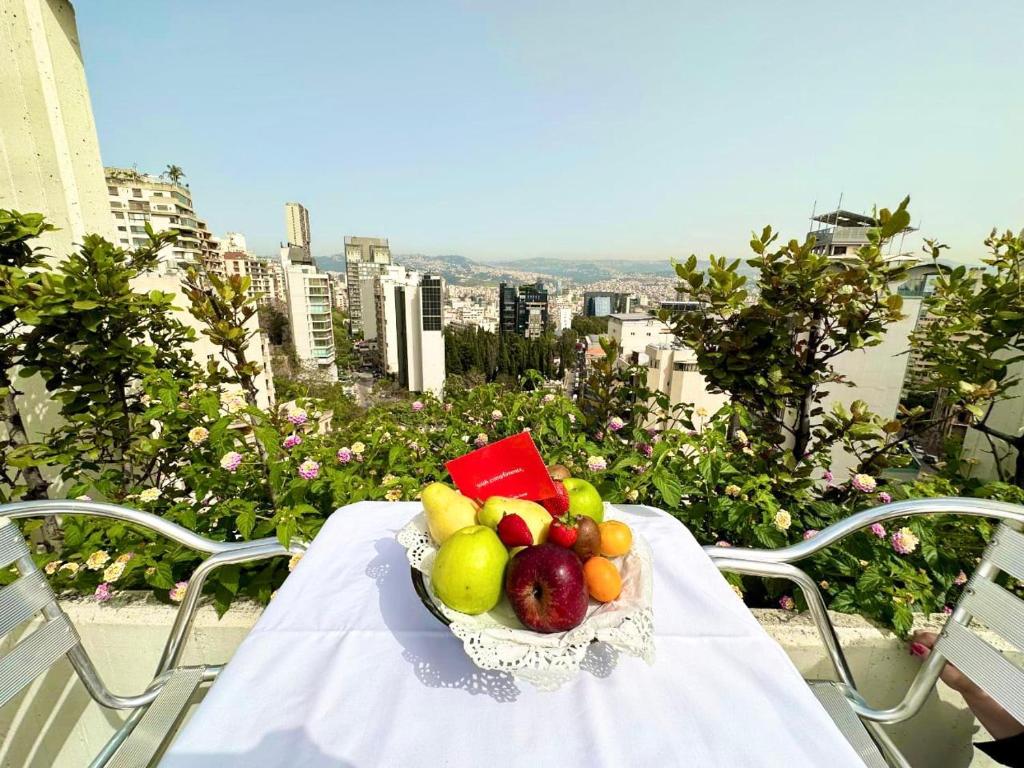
921, 644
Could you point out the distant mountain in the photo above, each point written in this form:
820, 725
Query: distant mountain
587, 271
460, 270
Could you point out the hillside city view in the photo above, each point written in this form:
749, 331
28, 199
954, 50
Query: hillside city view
668, 382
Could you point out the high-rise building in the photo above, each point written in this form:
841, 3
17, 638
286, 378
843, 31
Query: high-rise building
604, 303
563, 319
365, 258
523, 311
296, 226
402, 313
136, 199
308, 294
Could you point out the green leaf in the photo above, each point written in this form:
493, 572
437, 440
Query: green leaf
668, 486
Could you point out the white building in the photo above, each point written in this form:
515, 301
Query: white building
402, 313
634, 331
136, 199
266, 277
673, 370
563, 318
296, 226
308, 295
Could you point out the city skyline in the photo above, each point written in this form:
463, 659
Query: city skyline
677, 132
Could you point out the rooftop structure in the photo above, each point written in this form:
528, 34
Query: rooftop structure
845, 232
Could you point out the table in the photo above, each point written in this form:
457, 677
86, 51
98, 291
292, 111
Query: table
347, 668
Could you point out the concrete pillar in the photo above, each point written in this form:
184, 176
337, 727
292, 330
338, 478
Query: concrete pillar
49, 154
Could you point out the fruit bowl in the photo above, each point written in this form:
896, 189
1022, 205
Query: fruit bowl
496, 640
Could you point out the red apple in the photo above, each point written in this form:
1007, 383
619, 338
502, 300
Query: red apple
545, 586
558, 504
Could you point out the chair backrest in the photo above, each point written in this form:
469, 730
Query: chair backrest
23, 599
987, 603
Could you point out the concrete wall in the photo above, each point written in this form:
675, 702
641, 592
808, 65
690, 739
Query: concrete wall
54, 723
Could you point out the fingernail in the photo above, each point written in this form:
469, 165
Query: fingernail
917, 649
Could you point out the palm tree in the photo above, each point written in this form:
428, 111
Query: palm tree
174, 173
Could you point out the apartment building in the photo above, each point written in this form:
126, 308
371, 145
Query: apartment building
307, 292
634, 331
403, 313
672, 370
296, 227
365, 258
136, 199
523, 311
266, 277
604, 303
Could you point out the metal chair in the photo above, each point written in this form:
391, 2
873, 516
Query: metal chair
983, 601
156, 711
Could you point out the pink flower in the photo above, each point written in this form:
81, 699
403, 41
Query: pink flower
596, 463
810, 533
496, 415
786, 603
231, 461
177, 592
102, 593
646, 449
884, 497
548, 398
615, 423
961, 579
863, 483
904, 541
309, 470
946, 609
481, 440
878, 529
417, 405
722, 544
292, 440
828, 477
344, 455
297, 416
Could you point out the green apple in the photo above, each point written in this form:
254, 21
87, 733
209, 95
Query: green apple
584, 499
537, 519
469, 570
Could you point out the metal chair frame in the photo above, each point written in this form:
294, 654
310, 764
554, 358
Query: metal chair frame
30, 577
983, 600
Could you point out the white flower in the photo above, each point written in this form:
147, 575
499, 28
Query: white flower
596, 463
97, 560
71, 568
846, 290
149, 494
495, 414
177, 593
782, 520
125, 557
388, 479
51, 567
113, 572
232, 402
198, 435
395, 494
358, 448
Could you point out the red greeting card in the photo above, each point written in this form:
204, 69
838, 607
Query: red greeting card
511, 467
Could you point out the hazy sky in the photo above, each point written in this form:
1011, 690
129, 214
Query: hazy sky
598, 129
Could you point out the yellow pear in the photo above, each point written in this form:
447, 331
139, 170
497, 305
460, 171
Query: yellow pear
537, 519
447, 511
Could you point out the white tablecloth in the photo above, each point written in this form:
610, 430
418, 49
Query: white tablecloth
347, 668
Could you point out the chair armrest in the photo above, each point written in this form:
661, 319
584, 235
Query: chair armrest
221, 553
942, 505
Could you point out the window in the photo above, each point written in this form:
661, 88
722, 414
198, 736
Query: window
138, 230
124, 240
136, 193
123, 229
687, 367
139, 241
118, 215
158, 194
138, 217
112, 191
115, 204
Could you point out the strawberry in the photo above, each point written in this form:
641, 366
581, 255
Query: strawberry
514, 532
558, 504
562, 534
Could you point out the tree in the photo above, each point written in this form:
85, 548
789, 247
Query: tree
975, 344
19, 282
590, 326
772, 349
174, 173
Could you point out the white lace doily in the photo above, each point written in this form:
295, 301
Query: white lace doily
496, 640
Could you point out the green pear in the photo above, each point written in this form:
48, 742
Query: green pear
469, 570
447, 511
584, 499
537, 519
